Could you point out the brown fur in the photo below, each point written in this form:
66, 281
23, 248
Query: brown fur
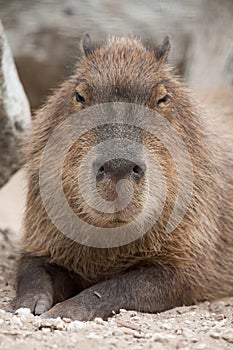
201, 248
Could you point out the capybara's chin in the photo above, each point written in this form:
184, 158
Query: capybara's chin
116, 219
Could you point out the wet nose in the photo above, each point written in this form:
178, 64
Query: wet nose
121, 168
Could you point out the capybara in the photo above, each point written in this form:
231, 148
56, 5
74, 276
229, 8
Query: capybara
57, 275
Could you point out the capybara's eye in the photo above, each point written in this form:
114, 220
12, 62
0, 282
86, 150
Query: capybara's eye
163, 100
80, 98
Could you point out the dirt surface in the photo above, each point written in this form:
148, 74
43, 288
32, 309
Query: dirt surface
206, 326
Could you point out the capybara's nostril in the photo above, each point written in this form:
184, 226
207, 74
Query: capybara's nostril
138, 172
100, 173
120, 168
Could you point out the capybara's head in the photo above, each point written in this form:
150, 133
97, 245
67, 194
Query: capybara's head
116, 164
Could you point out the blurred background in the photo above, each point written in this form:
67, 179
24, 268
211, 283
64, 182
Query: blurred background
45, 37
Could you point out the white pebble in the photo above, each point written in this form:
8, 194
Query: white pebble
157, 337
201, 346
46, 330
117, 332
141, 335
135, 318
165, 326
23, 311
123, 311
75, 325
15, 321
228, 336
94, 336
99, 320
215, 335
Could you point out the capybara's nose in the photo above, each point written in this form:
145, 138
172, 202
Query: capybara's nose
120, 168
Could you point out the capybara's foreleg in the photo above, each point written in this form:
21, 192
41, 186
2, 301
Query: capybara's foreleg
40, 284
149, 289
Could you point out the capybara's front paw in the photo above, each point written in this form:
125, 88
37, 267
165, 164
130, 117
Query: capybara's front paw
65, 310
82, 307
37, 303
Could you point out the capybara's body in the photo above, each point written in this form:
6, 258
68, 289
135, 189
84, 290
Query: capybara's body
159, 270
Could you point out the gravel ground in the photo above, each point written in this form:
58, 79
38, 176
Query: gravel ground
206, 326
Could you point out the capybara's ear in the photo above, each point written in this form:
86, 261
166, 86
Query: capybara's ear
162, 51
86, 44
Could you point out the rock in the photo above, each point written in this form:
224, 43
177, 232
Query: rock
75, 326
215, 335
140, 335
22, 311
99, 320
46, 330
14, 112
228, 336
117, 332
157, 337
165, 326
16, 322
52, 324
122, 311
201, 346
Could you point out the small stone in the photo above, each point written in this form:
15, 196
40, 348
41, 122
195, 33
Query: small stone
46, 330
228, 336
15, 321
54, 324
188, 322
58, 324
219, 317
193, 307
215, 335
74, 326
165, 326
5, 315
157, 337
200, 346
117, 332
27, 318
123, 311
181, 310
135, 318
194, 340
99, 320
22, 311
141, 335
133, 313
94, 336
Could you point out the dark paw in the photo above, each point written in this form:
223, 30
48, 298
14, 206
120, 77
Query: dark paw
37, 303
75, 312
65, 311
